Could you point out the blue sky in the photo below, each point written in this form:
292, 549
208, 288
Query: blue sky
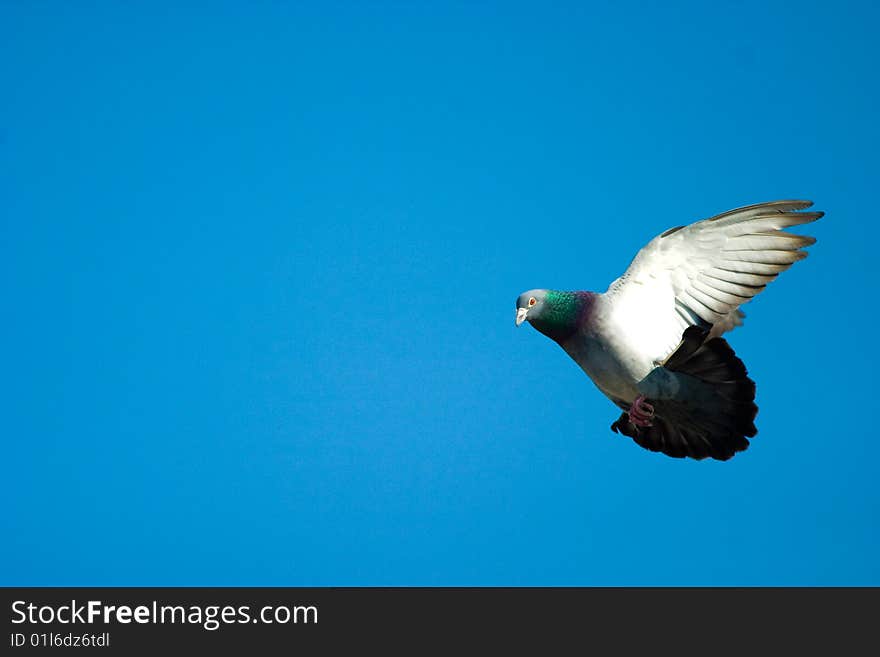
259, 263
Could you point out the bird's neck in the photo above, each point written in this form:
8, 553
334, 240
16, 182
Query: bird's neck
564, 315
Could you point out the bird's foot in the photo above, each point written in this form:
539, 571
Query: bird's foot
641, 412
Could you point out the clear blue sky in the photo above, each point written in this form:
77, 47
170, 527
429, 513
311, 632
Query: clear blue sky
259, 265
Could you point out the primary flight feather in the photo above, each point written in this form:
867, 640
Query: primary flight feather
651, 343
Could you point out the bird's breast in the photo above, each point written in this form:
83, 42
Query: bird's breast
615, 375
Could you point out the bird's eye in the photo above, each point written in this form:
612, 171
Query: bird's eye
532, 301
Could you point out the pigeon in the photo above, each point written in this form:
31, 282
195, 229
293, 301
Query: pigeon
652, 341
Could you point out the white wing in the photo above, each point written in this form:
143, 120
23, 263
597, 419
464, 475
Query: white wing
703, 272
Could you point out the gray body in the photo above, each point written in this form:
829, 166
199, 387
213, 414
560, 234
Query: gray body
619, 371
615, 369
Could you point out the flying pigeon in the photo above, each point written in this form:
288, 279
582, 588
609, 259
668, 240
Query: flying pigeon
652, 342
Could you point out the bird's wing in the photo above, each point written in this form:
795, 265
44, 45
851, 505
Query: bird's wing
700, 274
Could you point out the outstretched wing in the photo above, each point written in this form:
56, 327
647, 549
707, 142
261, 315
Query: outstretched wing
700, 274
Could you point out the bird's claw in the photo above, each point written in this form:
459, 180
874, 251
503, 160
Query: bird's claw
641, 412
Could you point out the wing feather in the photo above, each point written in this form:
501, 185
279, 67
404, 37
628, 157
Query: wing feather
723, 292
703, 272
739, 277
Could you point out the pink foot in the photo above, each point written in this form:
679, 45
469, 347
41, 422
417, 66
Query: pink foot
641, 412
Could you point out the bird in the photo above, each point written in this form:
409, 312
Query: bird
652, 341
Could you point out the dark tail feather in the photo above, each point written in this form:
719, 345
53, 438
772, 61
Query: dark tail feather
713, 414
691, 340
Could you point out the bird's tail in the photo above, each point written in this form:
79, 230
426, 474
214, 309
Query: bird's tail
703, 399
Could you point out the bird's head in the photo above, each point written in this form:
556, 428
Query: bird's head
530, 305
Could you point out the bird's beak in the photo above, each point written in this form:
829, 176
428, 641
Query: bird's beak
521, 315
